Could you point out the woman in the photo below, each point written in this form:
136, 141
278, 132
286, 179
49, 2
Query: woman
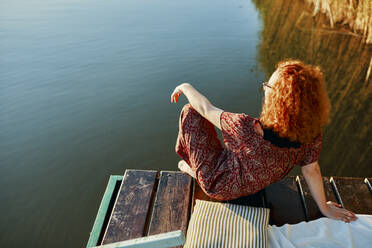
259, 151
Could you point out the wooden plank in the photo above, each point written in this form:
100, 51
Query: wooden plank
171, 209
132, 211
163, 240
354, 194
284, 202
128, 219
103, 210
313, 210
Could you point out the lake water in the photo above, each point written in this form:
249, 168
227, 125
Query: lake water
85, 93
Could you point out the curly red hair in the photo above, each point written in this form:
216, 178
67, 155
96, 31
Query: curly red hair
298, 105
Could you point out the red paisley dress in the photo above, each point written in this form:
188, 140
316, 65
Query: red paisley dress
247, 163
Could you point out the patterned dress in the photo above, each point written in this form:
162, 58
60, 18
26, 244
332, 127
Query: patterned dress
247, 163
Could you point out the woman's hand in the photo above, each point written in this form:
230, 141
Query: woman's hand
335, 211
177, 92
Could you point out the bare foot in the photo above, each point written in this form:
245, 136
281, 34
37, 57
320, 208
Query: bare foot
183, 166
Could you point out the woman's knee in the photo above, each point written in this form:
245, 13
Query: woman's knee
187, 108
188, 111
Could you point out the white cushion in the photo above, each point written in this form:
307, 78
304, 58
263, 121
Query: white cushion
217, 224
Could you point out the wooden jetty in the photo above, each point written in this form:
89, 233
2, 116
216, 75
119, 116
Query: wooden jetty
149, 202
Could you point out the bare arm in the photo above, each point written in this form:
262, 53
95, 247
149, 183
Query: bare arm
199, 102
313, 178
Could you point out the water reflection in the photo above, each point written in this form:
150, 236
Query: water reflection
290, 31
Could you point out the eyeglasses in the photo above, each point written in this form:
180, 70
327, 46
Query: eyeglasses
262, 86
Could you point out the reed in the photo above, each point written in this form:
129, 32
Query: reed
291, 31
355, 14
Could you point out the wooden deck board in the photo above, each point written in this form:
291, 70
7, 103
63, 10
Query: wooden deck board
171, 210
284, 202
129, 215
354, 194
160, 204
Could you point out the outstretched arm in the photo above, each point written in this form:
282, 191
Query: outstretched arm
199, 102
313, 178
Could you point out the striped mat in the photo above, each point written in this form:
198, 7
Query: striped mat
217, 224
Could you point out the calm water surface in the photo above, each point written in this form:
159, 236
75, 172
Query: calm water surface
85, 93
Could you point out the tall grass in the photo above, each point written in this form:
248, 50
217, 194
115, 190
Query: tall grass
291, 31
355, 14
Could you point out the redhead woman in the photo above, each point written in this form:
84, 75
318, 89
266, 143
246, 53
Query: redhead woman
259, 151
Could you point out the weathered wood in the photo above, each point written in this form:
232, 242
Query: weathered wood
132, 213
284, 202
354, 194
171, 209
313, 210
129, 215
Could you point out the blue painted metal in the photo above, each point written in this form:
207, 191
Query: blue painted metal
102, 211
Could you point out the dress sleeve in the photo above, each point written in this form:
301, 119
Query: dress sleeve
235, 128
312, 151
